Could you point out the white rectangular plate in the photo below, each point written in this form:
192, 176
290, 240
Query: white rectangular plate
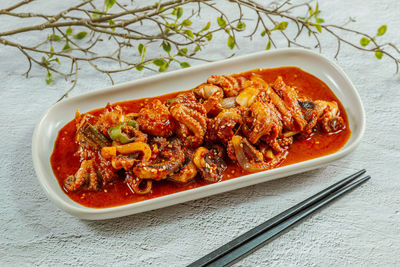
61, 113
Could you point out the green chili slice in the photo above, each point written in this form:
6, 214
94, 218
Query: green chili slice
134, 124
116, 133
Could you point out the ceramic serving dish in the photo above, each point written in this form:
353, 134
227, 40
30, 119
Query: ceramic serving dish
56, 116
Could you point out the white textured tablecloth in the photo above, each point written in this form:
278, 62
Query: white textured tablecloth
361, 229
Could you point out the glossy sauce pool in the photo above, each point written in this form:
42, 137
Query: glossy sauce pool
64, 162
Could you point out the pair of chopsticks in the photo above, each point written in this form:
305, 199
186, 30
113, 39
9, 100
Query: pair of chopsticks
253, 239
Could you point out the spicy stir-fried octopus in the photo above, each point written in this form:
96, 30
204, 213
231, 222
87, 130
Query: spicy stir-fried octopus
230, 118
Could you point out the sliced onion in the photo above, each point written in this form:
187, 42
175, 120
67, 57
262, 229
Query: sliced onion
229, 102
239, 144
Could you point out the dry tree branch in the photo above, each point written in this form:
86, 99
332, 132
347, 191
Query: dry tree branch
180, 36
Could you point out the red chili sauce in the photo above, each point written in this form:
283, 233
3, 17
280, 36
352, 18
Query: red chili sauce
65, 162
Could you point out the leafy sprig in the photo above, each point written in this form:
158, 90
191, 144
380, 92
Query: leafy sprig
365, 41
75, 33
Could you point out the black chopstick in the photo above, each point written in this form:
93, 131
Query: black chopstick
250, 240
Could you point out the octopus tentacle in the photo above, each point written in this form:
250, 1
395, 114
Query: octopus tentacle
209, 163
290, 98
261, 121
327, 113
155, 119
122, 162
192, 119
196, 106
222, 126
230, 84
93, 179
157, 171
174, 158
187, 172
136, 184
86, 174
250, 159
197, 116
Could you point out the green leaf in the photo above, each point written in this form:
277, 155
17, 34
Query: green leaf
184, 65
96, 15
51, 50
69, 31
80, 35
55, 37
45, 61
174, 11
318, 27
182, 51
57, 60
66, 46
319, 20
166, 46
49, 78
163, 67
140, 48
111, 22
186, 22
382, 30
268, 45
231, 42
159, 62
109, 3
189, 33
179, 12
263, 33
378, 54
197, 48
364, 41
221, 22
209, 36
159, 6
139, 67
281, 26
206, 27
241, 26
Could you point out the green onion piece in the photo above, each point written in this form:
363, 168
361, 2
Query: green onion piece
93, 136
